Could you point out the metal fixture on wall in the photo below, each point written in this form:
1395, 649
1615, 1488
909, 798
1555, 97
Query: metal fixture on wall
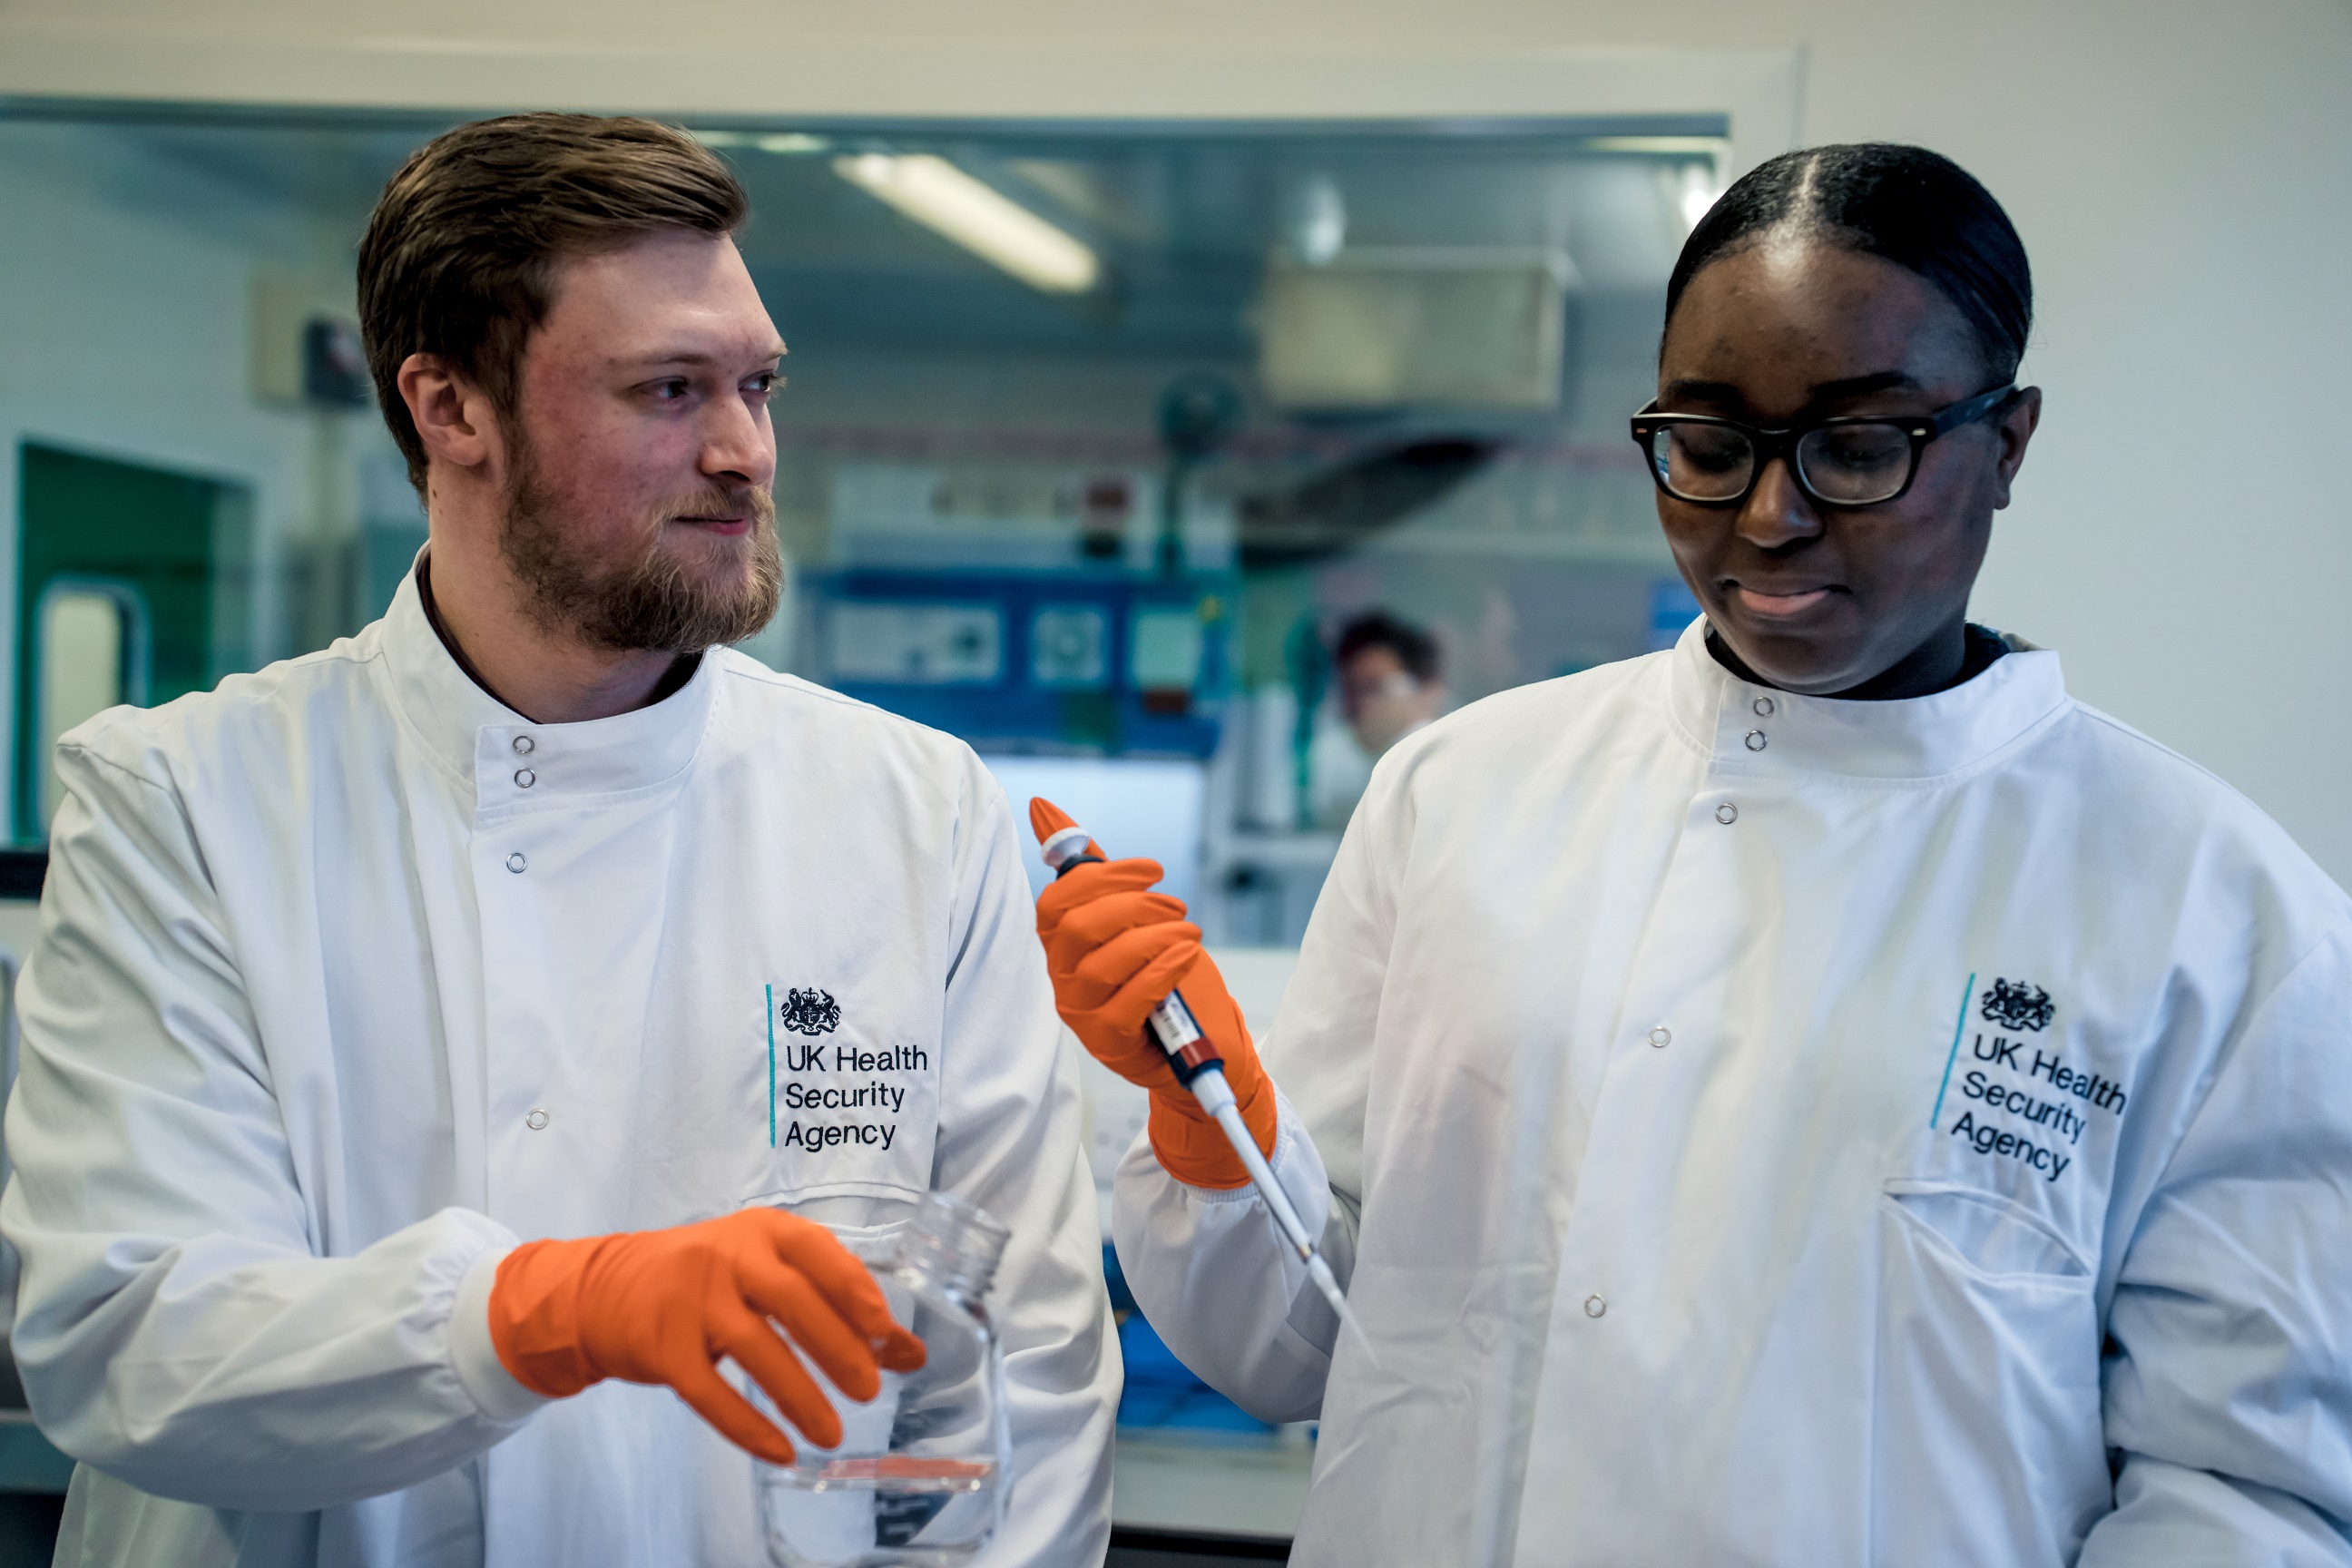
1464, 326
1345, 506
1198, 413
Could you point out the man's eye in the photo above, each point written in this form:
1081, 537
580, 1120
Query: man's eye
764, 384
669, 391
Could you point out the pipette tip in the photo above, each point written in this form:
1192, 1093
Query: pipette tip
1320, 1272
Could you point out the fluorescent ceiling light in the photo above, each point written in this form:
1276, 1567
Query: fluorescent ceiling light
981, 218
1716, 148
787, 143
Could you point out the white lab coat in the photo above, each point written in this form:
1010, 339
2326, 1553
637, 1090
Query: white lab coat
349, 977
1747, 1117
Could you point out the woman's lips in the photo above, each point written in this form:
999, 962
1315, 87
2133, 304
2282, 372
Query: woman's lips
1758, 603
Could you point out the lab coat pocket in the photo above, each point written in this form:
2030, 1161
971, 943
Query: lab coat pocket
1987, 1439
870, 1227
1996, 1237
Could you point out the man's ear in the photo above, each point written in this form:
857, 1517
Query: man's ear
2016, 428
453, 418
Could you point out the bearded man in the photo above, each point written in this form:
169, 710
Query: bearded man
442, 1053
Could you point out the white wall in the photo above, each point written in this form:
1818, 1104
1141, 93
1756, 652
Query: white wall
2182, 175
126, 285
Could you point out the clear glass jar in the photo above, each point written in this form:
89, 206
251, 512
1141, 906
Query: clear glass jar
922, 1472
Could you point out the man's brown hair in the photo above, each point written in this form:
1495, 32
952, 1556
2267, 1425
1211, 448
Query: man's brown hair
459, 256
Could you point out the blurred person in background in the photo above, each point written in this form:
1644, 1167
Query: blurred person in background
402, 1172
1387, 678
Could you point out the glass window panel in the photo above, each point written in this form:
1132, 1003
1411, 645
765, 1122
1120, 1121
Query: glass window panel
1096, 439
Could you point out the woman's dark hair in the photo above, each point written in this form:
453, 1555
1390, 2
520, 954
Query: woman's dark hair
1915, 208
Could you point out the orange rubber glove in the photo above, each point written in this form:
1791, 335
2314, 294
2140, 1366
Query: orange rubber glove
663, 1306
1115, 950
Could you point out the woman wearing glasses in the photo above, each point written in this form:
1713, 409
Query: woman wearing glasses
1819, 1095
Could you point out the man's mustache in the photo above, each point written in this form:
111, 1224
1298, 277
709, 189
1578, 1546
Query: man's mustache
730, 501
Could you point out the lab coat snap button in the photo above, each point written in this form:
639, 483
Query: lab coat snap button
525, 778
1594, 1306
1763, 706
522, 745
1662, 1037
1727, 814
515, 862
536, 1120
1755, 740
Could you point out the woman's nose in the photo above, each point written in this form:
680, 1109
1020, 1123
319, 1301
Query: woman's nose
1778, 509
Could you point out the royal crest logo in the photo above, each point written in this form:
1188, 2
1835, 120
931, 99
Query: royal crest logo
810, 1012
2019, 1004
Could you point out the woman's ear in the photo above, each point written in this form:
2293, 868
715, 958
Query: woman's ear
2015, 430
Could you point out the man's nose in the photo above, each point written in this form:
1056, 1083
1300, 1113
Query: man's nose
1778, 509
739, 443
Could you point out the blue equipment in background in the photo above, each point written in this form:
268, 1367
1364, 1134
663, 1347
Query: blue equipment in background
1104, 663
1162, 1392
1672, 607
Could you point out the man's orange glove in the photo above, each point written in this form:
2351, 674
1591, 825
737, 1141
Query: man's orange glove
663, 1306
1115, 949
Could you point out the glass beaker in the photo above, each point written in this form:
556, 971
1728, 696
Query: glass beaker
922, 1469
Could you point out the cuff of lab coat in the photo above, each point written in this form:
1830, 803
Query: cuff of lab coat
1302, 1179
485, 1378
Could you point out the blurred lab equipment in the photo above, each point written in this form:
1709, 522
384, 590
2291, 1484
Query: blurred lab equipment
1382, 327
1197, 414
1153, 805
922, 1472
1349, 504
1079, 661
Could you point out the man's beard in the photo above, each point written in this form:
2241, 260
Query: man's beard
653, 604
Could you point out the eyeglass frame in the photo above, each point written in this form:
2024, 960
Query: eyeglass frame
1782, 443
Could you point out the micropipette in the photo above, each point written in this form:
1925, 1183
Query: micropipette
1199, 1067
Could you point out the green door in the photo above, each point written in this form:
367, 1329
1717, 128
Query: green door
146, 537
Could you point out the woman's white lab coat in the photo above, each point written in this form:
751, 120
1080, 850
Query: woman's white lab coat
1770, 1129
349, 977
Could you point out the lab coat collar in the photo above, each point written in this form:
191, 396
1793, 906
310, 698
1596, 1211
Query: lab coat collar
492, 750
1755, 731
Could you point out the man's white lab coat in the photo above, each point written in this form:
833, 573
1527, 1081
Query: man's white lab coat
349, 977
1773, 1130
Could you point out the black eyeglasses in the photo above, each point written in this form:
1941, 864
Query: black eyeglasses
1858, 459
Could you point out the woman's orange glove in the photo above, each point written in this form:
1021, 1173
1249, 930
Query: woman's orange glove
1115, 949
663, 1306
